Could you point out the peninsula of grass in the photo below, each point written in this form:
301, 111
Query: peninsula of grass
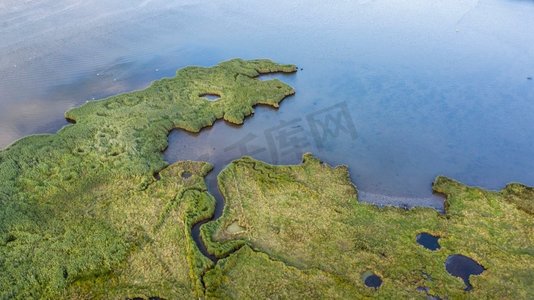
82, 214
299, 232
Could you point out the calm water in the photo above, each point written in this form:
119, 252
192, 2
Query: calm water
400, 91
464, 267
428, 241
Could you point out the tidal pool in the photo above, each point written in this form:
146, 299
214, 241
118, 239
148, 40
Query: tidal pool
462, 266
400, 91
373, 281
428, 241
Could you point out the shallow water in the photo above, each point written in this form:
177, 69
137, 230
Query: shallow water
400, 91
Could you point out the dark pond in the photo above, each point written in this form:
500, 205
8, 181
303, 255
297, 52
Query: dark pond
372, 280
428, 241
400, 91
462, 266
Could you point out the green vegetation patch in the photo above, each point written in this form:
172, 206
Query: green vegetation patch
308, 224
260, 277
81, 213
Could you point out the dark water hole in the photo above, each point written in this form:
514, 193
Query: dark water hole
462, 266
186, 174
428, 241
372, 280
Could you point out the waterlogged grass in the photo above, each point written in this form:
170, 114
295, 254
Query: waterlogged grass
81, 213
310, 236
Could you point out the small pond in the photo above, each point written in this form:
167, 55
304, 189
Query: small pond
462, 266
428, 241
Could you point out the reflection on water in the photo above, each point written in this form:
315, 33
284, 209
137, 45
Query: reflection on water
421, 88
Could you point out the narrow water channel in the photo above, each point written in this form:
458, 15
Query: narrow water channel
211, 183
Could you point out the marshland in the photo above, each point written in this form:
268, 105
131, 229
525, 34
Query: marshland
383, 149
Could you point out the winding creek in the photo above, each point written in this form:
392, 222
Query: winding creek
211, 182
